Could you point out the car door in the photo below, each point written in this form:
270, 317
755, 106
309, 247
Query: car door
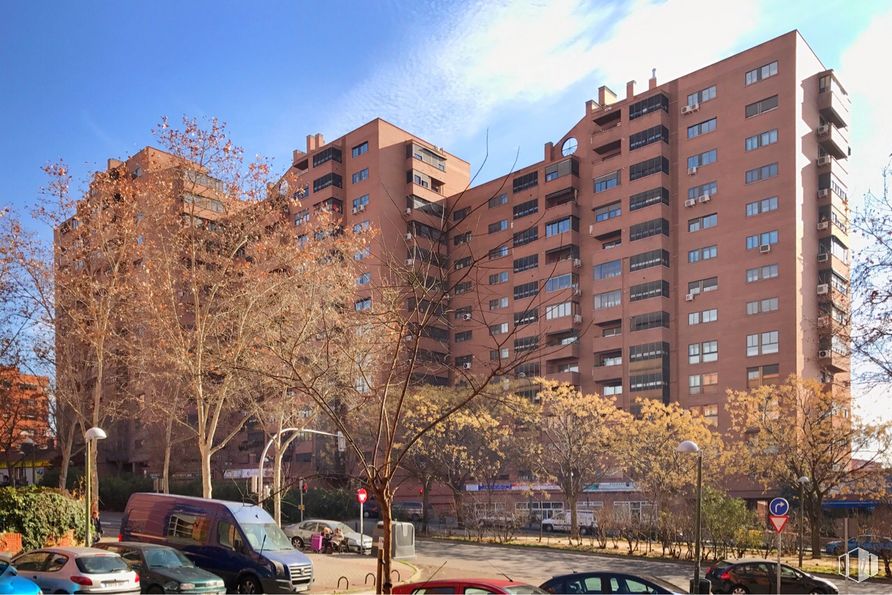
594, 584
631, 585
54, 574
137, 563
761, 577
31, 566
792, 581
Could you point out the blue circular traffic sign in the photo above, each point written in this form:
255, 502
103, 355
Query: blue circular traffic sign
779, 507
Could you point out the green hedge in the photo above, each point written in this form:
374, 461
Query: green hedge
40, 514
321, 503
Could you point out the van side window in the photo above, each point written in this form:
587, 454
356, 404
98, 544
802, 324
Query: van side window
187, 528
227, 535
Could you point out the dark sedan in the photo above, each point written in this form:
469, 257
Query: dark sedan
163, 569
608, 582
760, 576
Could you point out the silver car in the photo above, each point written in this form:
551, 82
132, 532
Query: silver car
301, 532
77, 570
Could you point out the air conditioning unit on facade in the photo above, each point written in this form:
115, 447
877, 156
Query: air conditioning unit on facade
823, 256
690, 109
823, 288
824, 129
591, 229
408, 211
824, 353
466, 365
825, 160
577, 319
765, 248
692, 170
465, 316
689, 297
410, 262
690, 202
704, 198
823, 225
408, 237
577, 262
823, 192
577, 291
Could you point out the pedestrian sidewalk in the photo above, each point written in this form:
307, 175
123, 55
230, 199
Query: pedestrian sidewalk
331, 570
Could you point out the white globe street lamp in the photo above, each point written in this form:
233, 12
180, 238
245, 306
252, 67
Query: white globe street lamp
690, 447
92, 435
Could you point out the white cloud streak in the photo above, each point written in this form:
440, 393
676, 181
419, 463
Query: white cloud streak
497, 55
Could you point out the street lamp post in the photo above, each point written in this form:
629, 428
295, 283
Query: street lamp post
31, 446
689, 446
90, 436
801, 481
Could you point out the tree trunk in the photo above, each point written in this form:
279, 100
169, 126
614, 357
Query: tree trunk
425, 504
204, 452
816, 518
385, 499
66, 444
165, 464
457, 503
574, 516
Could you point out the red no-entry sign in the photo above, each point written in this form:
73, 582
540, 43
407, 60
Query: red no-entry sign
362, 495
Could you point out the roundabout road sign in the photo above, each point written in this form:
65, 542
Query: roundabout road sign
779, 507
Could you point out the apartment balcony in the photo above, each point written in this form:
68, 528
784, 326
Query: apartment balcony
601, 373
832, 361
827, 292
565, 197
833, 141
569, 208
609, 148
560, 348
608, 125
564, 377
834, 104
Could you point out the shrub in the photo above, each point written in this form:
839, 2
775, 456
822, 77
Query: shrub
320, 503
40, 515
115, 490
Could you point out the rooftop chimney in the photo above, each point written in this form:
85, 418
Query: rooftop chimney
311, 143
113, 163
548, 149
606, 96
320, 140
630, 89
652, 83
296, 154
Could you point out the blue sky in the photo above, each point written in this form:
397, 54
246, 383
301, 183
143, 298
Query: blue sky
87, 80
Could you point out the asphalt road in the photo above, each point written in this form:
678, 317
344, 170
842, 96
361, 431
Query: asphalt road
536, 565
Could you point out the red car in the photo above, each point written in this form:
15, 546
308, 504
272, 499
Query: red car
470, 586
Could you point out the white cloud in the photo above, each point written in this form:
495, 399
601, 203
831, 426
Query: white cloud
496, 55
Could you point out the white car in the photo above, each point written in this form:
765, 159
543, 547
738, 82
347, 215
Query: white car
77, 570
301, 532
561, 522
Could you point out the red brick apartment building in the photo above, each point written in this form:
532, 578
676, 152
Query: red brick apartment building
24, 425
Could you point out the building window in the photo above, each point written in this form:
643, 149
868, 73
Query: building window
497, 354
649, 320
649, 351
761, 306
561, 226
608, 211
608, 359
526, 263
702, 159
559, 311
499, 252
364, 279
526, 208
464, 361
708, 189
497, 201
561, 169
645, 382
498, 329
618, 241
361, 175
705, 352
462, 263
704, 222
707, 94
703, 285
361, 254
498, 303
607, 182
761, 173
463, 336
763, 72
360, 149
710, 413
769, 137
701, 128
526, 236
607, 270
648, 259
703, 383
498, 226
498, 278
302, 217
526, 317
361, 226
761, 206
649, 167
363, 304
462, 238
759, 375
463, 313
649, 290
460, 214
329, 154
526, 290
326, 181
703, 317
526, 343
769, 271
761, 239
525, 181
707, 253
648, 197
608, 299
612, 388
360, 203
760, 107
647, 229
762, 343
646, 137
561, 282
646, 106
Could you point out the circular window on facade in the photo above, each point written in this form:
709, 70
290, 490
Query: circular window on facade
569, 147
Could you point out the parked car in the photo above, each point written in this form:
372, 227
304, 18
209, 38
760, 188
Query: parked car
561, 522
238, 542
405, 510
760, 576
163, 569
870, 543
77, 570
300, 534
11, 582
467, 585
608, 582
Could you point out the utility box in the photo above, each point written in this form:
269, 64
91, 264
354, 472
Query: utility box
402, 540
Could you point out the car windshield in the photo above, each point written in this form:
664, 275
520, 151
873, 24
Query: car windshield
523, 589
166, 558
101, 564
266, 536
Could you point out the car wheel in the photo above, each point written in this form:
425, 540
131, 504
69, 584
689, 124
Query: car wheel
739, 589
155, 589
297, 542
249, 584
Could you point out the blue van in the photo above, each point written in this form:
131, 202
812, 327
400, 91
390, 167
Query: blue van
238, 542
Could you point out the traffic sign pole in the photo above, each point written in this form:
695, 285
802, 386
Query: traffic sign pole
778, 560
778, 509
361, 495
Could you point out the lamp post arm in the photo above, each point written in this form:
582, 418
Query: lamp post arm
270, 443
